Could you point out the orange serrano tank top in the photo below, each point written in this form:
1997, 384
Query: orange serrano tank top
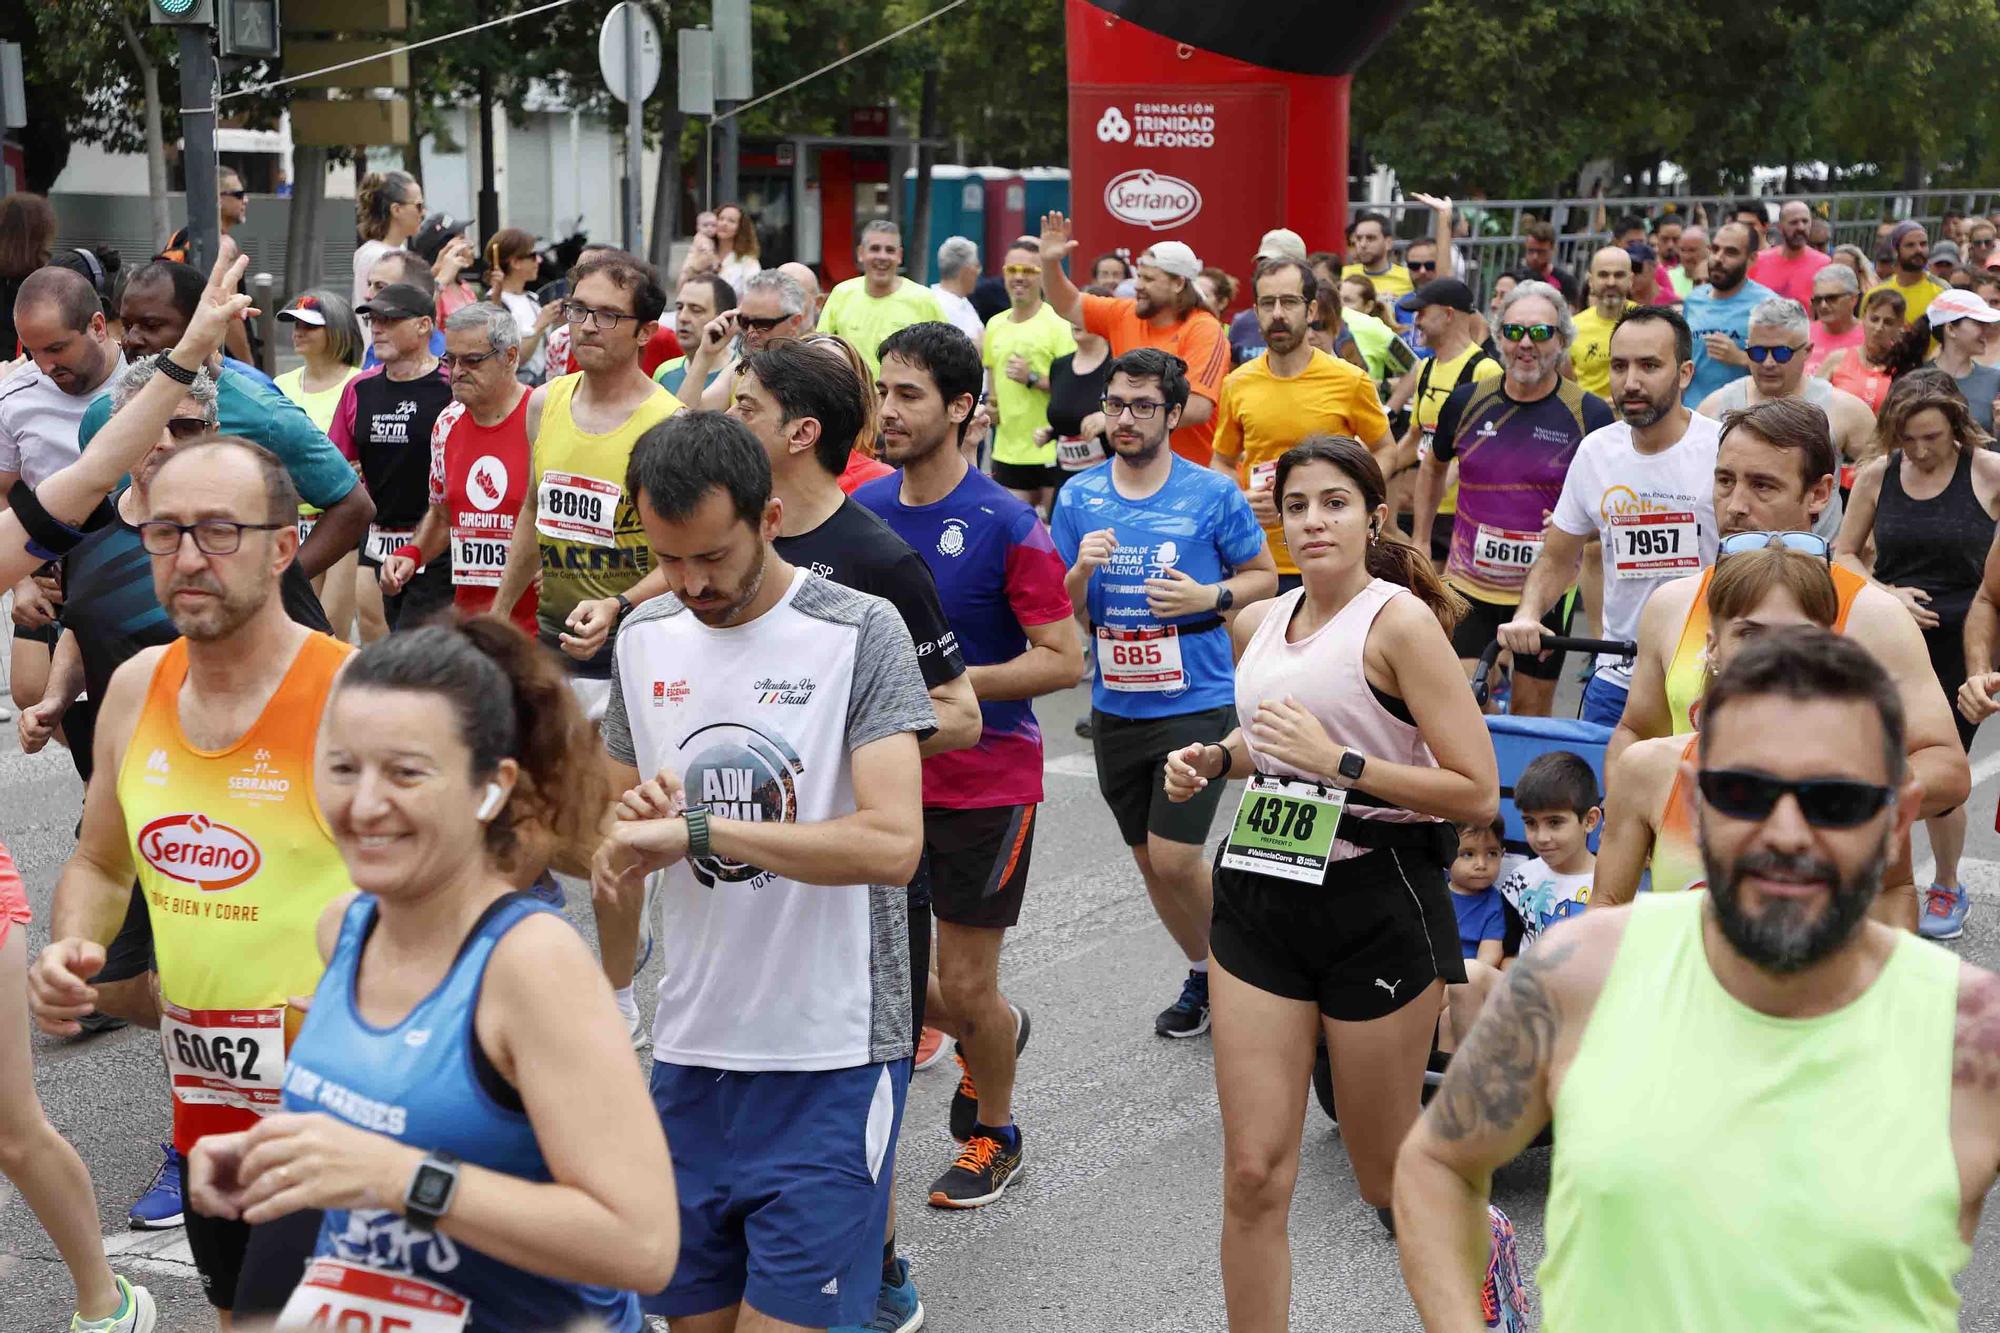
237, 864
1676, 862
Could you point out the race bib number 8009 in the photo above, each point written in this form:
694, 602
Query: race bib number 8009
572, 507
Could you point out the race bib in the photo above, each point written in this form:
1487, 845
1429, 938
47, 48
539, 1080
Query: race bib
1074, 455
306, 526
1501, 555
339, 1297
1284, 829
224, 1057
1140, 661
1652, 546
381, 543
575, 508
478, 557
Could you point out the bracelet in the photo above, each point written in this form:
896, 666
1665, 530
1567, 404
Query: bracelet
1226, 757
174, 370
410, 551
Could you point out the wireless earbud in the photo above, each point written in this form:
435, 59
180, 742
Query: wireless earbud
491, 805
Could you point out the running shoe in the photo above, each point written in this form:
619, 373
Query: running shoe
1187, 1016
897, 1308
1503, 1299
636, 1029
161, 1208
1083, 728
94, 1023
138, 1314
930, 1048
965, 1098
982, 1173
1944, 913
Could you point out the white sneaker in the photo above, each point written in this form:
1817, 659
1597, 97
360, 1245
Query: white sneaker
635, 1028
138, 1315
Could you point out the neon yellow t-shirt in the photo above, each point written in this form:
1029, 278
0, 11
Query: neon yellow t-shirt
1389, 284
1590, 354
1435, 381
1039, 340
1916, 299
866, 320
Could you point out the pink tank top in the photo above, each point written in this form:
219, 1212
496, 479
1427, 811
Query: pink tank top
1324, 672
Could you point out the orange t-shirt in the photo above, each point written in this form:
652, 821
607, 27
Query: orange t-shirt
1198, 340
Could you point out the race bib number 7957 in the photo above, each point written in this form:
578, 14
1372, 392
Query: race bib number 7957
1652, 546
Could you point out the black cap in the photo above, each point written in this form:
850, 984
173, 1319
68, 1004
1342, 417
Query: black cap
1438, 291
399, 300
438, 228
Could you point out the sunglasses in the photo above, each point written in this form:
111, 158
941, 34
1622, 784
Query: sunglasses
237, 194
760, 325
1422, 266
1022, 270
1820, 300
1825, 802
452, 361
1537, 333
1806, 543
188, 428
1781, 355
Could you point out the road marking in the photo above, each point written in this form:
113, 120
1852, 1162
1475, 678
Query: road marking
1082, 764
164, 1252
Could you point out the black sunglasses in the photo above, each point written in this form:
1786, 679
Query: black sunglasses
1825, 802
237, 194
763, 325
1422, 266
188, 428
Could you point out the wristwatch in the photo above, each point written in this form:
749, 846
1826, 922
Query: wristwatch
431, 1190
697, 822
1224, 598
1349, 771
1033, 379
624, 605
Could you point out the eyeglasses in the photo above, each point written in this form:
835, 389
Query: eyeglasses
1421, 265
212, 536
236, 194
1142, 409
576, 312
1781, 355
189, 428
1538, 333
1820, 299
452, 361
754, 324
1825, 802
1022, 270
1267, 304
1807, 543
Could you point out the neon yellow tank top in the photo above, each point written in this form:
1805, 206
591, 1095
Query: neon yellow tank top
1676, 864
1723, 1170
237, 864
592, 544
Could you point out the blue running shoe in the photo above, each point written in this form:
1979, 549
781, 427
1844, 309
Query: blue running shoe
160, 1208
1504, 1297
1944, 913
1187, 1016
897, 1309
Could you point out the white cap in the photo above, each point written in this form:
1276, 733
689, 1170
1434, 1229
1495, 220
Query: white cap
1960, 304
1282, 243
1173, 257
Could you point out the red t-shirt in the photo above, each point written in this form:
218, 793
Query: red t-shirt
480, 475
861, 469
661, 348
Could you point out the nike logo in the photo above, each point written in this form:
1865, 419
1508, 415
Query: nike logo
1388, 987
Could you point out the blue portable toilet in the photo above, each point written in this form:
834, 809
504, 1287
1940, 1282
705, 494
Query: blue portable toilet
1046, 188
958, 208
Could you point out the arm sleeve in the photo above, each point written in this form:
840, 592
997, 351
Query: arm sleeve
1237, 535
1228, 422
1444, 436
1063, 527
1060, 343
440, 433
616, 726
1207, 357
889, 695
1034, 574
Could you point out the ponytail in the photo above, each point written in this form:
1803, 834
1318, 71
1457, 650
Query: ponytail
378, 192
1390, 556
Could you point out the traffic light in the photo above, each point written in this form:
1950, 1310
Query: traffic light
183, 12
249, 30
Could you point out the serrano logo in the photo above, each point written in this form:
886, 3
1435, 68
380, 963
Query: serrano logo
486, 485
1148, 199
196, 850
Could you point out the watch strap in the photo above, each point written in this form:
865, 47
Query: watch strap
697, 822
624, 605
420, 1216
173, 370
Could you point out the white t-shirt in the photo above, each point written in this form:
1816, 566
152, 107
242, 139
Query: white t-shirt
526, 310
960, 311
1541, 897
39, 422
765, 973
1655, 514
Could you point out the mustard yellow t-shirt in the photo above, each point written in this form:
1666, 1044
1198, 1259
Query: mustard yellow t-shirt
1590, 354
1435, 381
1389, 285
1039, 340
1262, 415
1916, 299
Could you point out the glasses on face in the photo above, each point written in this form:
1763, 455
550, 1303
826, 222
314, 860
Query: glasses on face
1820, 299
1808, 543
452, 361
188, 428
1268, 304
755, 324
1142, 409
1825, 802
1422, 265
1534, 333
1781, 355
1022, 270
212, 536
576, 312
236, 194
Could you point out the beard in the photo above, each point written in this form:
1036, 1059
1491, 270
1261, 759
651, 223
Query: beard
1727, 278
1784, 938
1143, 305
217, 619
723, 616
1283, 337
1655, 410
1138, 454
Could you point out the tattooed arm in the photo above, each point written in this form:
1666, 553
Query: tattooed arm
1495, 1098
1975, 1091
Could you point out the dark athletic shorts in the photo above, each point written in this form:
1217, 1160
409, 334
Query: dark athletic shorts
1132, 772
978, 862
1482, 625
1027, 476
130, 953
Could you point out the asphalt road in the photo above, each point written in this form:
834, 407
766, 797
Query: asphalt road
1115, 1225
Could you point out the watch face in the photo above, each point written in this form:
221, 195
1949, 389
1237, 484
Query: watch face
432, 1189
1350, 765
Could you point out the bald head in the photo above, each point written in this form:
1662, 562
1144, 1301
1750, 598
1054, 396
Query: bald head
808, 281
1794, 225
236, 478
67, 293
1610, 280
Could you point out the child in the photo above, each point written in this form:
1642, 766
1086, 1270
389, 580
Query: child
1481, 917
1560, 808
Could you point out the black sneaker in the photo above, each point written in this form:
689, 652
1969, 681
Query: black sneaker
982, 1173
1083, 728
1187, 1016
94, 1023
965, 1097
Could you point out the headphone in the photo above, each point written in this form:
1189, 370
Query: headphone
490, 807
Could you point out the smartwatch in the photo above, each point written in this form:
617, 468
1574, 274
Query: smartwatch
431, 1190
1224, 598
697, 822
624, 605
1352, 762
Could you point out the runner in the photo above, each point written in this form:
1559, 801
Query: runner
577, 541
1157, 549
862, 465
781, 716
1440, 312
383, 425
1911, 278
1611, 289
1642, 486
696, 305
1783, 992
1789, 267
1374, 257
1165, 312
1718, 312
1023, 345
457, 1101
1001, 583
1889, 349
1332, 912
1836, 312
479, 466
769, 305
1513, 437
1964, 324
326, 334
867, 309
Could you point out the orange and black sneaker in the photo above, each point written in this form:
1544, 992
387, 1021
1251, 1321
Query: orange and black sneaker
986, 1166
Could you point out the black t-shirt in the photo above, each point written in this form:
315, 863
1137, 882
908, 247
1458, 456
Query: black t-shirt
1072, 397
857, 550
392, 436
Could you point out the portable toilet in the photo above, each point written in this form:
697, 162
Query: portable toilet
1046, 188
958, 208
1006, 212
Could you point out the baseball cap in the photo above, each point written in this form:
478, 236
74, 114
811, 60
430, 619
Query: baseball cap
438, 228
305, 310
399, 300
1960, 304
1173, 257
1438, 291
1282, 243
1641, 253
1945, 251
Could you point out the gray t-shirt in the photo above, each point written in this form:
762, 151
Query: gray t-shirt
39, 422
1980, 385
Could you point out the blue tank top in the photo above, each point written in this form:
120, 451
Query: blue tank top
416, 1082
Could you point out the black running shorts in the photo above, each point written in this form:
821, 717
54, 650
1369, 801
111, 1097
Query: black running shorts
978, 861
1482, 625
1132, 772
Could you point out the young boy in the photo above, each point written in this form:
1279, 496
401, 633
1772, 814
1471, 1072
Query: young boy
1560, 808
1482, 919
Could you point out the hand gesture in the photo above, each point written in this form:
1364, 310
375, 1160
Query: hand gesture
37, 724
1018, 368
1184, 777
291, 1163
1436, 203
1264, 504
590, 624
1096, 548
551, 314
1919, 603
662, 796
59, 989
1975, 698
1287, 731
1522, 637
716, 336
1092, 426
632, 850
1172, 592
396, 571
1721, 347
1043, 434
220, 306
33, 606
1056, 241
